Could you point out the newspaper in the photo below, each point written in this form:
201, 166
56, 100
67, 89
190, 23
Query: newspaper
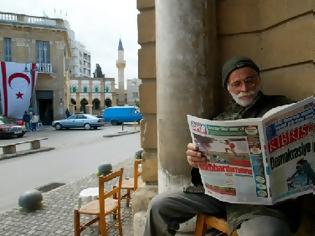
258, 160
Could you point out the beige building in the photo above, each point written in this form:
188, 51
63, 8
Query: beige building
44, 41
91, 95
183, 46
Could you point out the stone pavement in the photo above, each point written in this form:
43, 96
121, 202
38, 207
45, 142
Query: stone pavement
56, 216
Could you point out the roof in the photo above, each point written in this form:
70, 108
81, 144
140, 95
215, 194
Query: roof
120, 46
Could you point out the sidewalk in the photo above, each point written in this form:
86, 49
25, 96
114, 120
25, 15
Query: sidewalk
56, 216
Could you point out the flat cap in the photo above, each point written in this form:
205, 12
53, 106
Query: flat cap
234, 63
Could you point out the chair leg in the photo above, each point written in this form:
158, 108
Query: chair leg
128, 196
102, 226
201, 227
76, 223
119, 223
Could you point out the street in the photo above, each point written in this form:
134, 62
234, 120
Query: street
77, 154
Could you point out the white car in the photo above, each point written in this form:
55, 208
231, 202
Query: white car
85, 121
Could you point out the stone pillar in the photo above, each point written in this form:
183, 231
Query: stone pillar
71, 109
184, 32
88, 108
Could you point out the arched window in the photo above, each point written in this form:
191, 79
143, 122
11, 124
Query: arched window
96, 104
108, 102
83, 103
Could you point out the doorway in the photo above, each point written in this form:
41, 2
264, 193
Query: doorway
45, 106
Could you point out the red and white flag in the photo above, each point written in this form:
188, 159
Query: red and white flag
17, 83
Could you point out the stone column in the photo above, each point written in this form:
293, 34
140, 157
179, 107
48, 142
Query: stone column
71, 109
88, 109
185, 30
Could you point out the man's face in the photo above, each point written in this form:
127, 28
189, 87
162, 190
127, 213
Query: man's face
243, 84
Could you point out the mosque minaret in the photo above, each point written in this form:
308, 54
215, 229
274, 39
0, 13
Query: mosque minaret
121, 64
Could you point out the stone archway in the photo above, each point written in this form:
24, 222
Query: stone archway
108, 102
96, 104
74, 104
83, 104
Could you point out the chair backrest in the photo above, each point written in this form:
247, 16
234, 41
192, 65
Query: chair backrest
137, 171
111, 192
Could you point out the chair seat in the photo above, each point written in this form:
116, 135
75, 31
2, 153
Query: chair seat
92, 208
129, 183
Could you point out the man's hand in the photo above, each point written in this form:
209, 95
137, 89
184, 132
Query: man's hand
194, 156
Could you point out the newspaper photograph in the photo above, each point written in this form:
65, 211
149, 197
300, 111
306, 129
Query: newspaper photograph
258, 160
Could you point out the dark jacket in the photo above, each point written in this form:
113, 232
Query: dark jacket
26, 117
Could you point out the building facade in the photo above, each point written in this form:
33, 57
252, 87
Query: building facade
44, 41
133, 91
80, 60
91, 95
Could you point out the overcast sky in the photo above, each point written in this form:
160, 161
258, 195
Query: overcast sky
98, 24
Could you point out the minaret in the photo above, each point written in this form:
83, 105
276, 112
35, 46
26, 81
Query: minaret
120, 64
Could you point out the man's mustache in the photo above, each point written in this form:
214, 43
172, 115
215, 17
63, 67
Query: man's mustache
243, 94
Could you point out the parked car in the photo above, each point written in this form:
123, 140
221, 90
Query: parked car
8, 128
85, 121
118, 114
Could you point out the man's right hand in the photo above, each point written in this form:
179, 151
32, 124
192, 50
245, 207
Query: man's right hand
194, 156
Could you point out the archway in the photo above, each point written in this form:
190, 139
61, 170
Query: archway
83, 103
108, 102
74, 103
96, 104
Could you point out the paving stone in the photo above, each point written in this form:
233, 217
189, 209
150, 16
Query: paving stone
56, 215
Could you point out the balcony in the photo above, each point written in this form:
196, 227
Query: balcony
6, 17
44, 68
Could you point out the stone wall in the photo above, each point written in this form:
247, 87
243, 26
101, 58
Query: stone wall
147, 90
278, 35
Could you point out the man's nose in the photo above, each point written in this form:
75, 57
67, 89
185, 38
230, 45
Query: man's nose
244, 87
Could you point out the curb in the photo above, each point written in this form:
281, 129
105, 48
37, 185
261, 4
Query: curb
120, 133
25, 152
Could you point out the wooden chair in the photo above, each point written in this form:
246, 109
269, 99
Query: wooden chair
204, 221
105, 205
132, 184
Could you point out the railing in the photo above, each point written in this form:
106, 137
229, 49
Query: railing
40, 21
31, 20
8, 16
44, 67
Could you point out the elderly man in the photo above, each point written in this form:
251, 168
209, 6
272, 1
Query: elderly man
240, 77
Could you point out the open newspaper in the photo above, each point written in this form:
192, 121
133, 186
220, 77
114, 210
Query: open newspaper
258, 160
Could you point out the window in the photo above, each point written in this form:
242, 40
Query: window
7, 49
42, 52
85, 89
134, 94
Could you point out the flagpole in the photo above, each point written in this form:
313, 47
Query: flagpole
34, 99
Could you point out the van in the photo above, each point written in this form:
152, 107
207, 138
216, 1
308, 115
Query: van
119, 114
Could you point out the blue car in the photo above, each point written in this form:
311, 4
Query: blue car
119, 114
85, 121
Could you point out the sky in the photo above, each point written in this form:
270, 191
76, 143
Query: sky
98, 25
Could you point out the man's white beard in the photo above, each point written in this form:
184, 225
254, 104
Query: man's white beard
244, 102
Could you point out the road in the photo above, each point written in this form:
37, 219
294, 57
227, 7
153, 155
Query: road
77, 154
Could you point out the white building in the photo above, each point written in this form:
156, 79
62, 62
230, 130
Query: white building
81, 60
133, 91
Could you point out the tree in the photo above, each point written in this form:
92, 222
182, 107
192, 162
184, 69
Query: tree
98, 72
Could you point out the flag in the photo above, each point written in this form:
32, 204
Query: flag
17, 83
